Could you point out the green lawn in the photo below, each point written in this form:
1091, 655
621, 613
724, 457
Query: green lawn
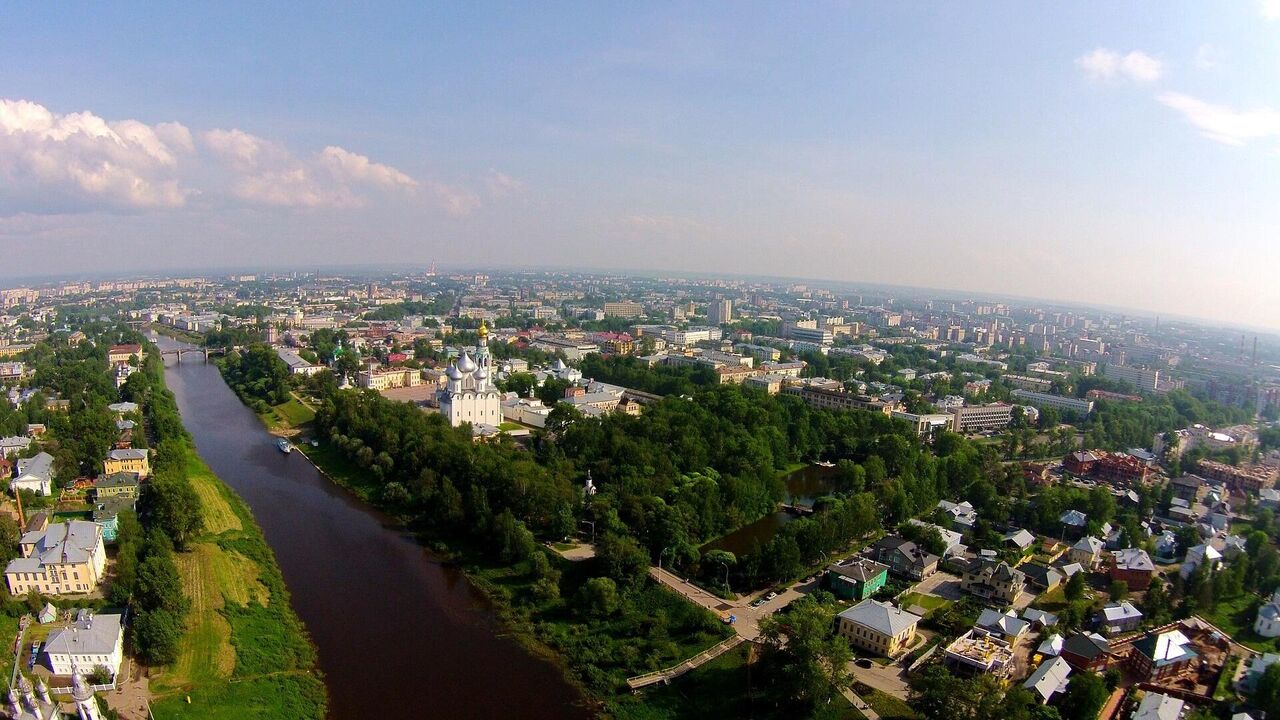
886, 706
928, 602
294, 412
1235, 617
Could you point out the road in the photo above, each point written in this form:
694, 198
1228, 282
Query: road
748, 618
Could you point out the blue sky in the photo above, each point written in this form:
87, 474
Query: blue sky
1119, 153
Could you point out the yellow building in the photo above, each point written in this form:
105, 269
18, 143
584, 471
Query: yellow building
129, 460
121, 485
63, 558
877, 627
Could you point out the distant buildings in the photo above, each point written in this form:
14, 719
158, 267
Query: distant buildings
981, 418
720, 312
623, 309
1141, 378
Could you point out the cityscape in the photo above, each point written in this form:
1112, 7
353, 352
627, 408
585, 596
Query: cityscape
654, 362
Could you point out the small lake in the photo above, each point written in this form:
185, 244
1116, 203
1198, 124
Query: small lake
803, 487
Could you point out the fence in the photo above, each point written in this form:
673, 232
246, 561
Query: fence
95, 688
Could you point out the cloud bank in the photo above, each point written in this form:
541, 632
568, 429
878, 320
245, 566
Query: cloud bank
80, 162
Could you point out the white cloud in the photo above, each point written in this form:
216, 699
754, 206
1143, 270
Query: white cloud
81, 160
1224, 124
78, 162
348, 166
501, 184
1108, 65
1208, 57
1270, 9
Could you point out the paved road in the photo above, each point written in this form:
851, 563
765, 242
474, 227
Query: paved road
889, 679
748, 618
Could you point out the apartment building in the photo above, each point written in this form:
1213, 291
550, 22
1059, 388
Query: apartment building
1058, 402
981, 418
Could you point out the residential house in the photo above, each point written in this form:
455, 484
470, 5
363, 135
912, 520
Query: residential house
905, 558
1051, 646
121, 485
123, 408
1039, 619
1086, 651
1086, 551
1019, 539
1267, 622
993, 580
1133, 566
10, 446
856, 579
1161, 655
106, 513
877, 627
62, 558
130, 460
1006, 625
951, 540
1157, 706
1205, 554
961, 516
1049, 679
90, 641
1119, 617
34, 474
1073, 523
1167, 545
1041, 577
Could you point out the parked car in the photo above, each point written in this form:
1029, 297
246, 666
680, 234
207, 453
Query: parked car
771, 595
862, 663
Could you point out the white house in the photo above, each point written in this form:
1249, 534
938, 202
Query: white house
34, 474
90, 641
1199, 555
1267, 624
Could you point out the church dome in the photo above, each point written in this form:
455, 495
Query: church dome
481, 374
466, 364
453, 373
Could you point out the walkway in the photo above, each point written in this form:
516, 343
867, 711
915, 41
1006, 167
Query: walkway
747, 622
669, 674
858, 703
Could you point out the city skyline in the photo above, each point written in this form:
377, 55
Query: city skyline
1122, 159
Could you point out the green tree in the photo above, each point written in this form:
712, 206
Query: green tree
810, 661
1075, 587
599, 597
623, 561
1085, 695
1119, 590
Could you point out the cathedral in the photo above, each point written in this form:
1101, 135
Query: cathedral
469, 395
24, 704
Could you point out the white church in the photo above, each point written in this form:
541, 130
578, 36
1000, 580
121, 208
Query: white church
469, 395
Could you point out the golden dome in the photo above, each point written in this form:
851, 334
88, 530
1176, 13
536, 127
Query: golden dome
483, 331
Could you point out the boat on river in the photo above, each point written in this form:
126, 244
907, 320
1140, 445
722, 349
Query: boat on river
284, 446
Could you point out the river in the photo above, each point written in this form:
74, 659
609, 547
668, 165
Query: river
398, 633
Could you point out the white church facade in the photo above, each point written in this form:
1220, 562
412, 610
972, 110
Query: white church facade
469, 395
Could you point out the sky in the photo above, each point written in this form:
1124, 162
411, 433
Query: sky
1124, 154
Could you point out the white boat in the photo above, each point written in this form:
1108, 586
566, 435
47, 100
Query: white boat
285, 446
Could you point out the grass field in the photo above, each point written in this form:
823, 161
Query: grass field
293, 413
244, 653
1235, 617
218, 515
928, 602
886, 706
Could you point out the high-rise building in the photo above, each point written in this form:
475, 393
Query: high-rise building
720, 311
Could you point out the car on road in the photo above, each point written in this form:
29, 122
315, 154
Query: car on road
862, 663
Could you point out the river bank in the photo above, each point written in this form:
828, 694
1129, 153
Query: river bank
244, 652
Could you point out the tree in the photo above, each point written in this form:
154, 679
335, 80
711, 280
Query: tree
721, 559
1266, 694
175, 506
512, 540
623, 560
156, 634
1085, 695
810, 661
1075, 587
599, 597
1119, 590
